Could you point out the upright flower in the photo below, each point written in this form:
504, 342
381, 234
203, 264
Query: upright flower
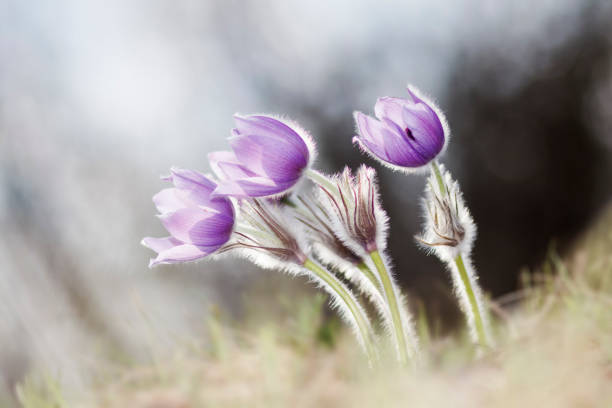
409, 133
361, 223
358, 218
332, 251
199, 224
268, 158
449, 232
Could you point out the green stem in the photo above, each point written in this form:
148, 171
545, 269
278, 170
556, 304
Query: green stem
321, 180
478, 322
350, 302
393, 305
369, 274
436, 170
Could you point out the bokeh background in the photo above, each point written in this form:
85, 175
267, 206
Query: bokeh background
99, 98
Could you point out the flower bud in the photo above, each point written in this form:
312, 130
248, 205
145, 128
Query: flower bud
449, 228
352, 202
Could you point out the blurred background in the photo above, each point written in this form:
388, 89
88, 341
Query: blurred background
99, 98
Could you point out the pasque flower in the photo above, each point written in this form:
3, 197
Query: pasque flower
266, 236
449, 233
407, 134
269, 157
449, 229
199, 224
358, 217
360, 222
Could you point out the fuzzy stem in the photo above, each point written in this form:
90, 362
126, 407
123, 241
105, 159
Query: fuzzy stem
474, 309
436, 170
393, 305
320, 179
369, 274
351, 304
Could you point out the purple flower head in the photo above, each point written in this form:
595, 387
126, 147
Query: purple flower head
199, 224
408, 134
268, 158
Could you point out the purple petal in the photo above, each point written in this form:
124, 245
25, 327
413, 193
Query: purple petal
171, 199
369, 128
372, 133
226, 166
269, 156
390, 108
268, 126
251, 187
181, 253
400, 151
426, 130
198, 188
370, 149
198, 227
414, 96
160, 244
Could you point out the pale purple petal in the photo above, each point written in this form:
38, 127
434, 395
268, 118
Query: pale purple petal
369, 128
415, 98
181, 253
191, 225
171, 199
390, 108
198, 188
160, 244
226, 166
268, 126
252, 187
269, 156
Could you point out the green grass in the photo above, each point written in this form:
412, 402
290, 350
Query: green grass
554, 349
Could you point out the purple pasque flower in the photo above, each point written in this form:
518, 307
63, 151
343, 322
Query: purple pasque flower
408, 134
199, 224
268, 158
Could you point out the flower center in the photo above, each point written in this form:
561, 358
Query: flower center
409, 134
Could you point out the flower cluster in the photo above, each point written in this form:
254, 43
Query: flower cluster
259, 206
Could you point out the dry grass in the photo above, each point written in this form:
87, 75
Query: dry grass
554, 349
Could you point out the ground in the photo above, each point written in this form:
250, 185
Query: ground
553, 348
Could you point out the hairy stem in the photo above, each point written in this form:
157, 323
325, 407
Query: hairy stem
473, 303
398, 327
369, 274
350, 302
320, 179
436, 170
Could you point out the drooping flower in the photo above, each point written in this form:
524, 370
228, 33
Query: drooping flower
409, 133
199, 224
269, 157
